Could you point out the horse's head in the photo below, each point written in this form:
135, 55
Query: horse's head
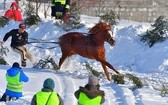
106, 30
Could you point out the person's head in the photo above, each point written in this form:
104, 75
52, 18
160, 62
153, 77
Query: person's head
93, 80
16, 65
49, 84
14, 6
22, 27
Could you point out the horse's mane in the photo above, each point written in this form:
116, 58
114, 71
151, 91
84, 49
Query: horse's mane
96, 28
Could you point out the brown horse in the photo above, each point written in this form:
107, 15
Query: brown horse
90, 46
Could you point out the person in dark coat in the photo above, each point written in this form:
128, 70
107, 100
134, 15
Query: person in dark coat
15, 78
19, 39
14, 13
90, 94
47, 96
60, 9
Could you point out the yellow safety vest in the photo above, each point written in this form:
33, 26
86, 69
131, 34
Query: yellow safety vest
43, 97
14, 83
84, 100
61, 1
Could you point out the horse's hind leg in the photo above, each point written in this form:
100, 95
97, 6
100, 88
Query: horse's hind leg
103, 61
106, 72
65, 54
62, 59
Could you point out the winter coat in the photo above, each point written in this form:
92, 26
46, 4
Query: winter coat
18, 39
22, 78
62, 6
91, 91
14, 14
34, 99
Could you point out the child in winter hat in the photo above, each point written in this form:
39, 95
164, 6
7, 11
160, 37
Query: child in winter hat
49, 84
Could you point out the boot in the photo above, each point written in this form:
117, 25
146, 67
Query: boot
23, 64
5, 98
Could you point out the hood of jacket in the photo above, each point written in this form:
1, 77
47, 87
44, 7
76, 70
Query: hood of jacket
14, 4
46, 90
13, 71
92, 93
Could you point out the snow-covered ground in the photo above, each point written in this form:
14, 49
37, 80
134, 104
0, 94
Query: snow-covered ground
129, 55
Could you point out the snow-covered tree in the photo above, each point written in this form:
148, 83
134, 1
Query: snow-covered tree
158, 33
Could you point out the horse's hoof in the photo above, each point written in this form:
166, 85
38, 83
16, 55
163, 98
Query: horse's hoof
108, 78
56, 68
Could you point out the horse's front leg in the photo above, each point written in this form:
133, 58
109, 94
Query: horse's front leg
106, 72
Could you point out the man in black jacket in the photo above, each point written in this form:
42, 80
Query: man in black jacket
19, 39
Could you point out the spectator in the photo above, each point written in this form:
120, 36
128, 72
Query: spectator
19, 39
15, 78
47, 96
14, 13
60, 9
90, 94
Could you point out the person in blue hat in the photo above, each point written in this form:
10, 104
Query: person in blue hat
47, 95
15, 78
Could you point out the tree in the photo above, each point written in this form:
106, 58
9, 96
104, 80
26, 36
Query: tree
158, 33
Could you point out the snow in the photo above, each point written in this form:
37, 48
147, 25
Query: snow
129, 55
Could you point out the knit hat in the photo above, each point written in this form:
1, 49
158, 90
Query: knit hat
16, 65
93, 80
49, 84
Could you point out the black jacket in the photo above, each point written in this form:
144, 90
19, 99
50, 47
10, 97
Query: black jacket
91, 91
33, 101
18, 39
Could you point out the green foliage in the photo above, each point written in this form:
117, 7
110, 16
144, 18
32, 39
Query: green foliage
91, 70
2, 61
32, 20
158, 33
44, 63
122, 80
109, 17
164, 91
31, 17
3, 51
3, 21
137, 82
118, 79
75, 9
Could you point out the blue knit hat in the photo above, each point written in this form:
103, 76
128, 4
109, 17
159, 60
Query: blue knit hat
49, 84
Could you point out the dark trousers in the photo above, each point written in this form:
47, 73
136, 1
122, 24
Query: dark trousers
7, 98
